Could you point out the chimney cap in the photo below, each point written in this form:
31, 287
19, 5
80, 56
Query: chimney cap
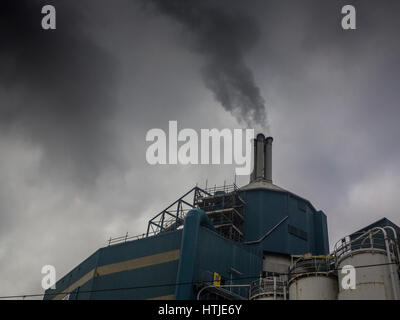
260, 137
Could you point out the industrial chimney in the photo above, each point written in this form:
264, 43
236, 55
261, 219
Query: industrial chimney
262, 159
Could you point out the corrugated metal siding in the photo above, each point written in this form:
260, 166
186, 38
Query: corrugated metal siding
163, 275
67, 283
154, 260
321, 233
264, 209
160, 273
140, 248
305, 231
139, 263
217, 254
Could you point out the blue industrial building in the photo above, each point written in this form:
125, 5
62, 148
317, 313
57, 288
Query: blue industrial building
209, 244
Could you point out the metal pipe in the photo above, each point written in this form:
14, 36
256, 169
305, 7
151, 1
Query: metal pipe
268, 233
259, 173
370, 238
187, 260
223, 286
284, 293
396, 239
392, 273
268, 159
262, 164
396, 294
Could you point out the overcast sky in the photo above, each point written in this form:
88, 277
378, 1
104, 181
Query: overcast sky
76, 104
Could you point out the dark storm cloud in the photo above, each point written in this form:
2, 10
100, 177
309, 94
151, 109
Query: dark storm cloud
223, 36
56, 87
332, 95
336, 97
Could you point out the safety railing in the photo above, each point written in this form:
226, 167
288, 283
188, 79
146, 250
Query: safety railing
126, 238
271, 287
216, 190
373, 239
376, 238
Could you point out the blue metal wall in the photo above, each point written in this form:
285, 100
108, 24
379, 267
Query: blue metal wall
104, 286
305, 231
218, 254
200, 254
209, 253
204, 252
73, 276
163, 274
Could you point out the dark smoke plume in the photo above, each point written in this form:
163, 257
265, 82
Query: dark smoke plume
222, 36
55, 87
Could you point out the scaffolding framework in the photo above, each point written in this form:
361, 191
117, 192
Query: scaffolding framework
223, 205
225, 208
172, 217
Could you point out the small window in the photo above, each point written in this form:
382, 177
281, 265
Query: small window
297, 232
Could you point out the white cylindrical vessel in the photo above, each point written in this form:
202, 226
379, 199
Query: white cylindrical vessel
373, 282
371, 258
313, 287
312, 278
269, 288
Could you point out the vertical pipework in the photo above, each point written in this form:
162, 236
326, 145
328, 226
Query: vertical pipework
268, 159
260, 156
195, 219
262, 159
253, 174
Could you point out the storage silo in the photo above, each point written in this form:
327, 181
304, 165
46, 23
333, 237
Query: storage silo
312, 278
374, 257
269, 288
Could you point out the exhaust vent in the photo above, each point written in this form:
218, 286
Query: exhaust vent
262, 159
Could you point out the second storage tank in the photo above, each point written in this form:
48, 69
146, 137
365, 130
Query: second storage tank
269, 288
373, 257
312, 278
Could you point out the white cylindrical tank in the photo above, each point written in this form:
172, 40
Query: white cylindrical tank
269, 288
374, 256
313, 287
372, 283
269, 296
312, 278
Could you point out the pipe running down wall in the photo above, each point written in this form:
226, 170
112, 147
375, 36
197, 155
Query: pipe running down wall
194, 219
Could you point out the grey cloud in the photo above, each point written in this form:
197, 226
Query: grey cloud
64, 84
75, 107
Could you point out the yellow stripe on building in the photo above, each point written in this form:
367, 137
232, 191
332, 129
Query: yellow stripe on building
138, 263
127, 265
75, 285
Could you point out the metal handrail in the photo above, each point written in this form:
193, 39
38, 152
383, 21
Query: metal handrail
222, 288
311, 265
175, 214
347, 247
126, 238
225, 188
271, 286
366, 240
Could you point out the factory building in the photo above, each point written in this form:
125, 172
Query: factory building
259, 241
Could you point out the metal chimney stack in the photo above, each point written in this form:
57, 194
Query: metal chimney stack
262, 159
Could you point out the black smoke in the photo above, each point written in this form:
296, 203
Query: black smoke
223, 36
55, 87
